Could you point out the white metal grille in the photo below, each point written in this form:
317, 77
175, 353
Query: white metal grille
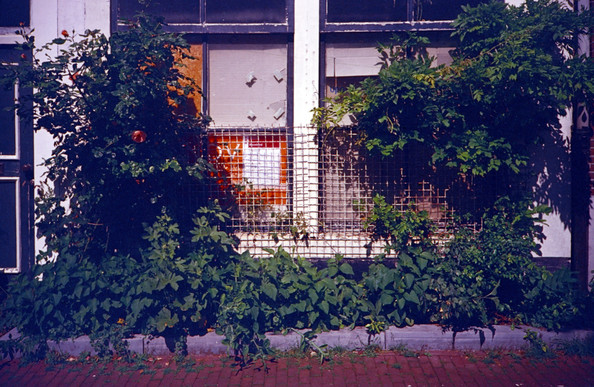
312, 192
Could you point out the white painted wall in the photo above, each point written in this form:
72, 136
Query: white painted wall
48, 19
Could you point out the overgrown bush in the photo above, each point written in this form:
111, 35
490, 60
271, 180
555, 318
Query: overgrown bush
280, 293
135, 246
117, 109
476, 280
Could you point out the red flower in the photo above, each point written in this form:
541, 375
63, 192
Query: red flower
23, 56
65, 33
138, 136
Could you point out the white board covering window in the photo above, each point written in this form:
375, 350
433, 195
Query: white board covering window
248, 84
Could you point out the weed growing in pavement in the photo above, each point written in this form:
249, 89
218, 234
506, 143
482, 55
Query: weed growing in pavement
491, 356
352, 356
54, 357
537, 348
577, 347
470, 357
371, 350
296, 353
514, 355
189, 364
405, 351
397, 366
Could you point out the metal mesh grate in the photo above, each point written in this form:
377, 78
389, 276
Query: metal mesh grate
311, 193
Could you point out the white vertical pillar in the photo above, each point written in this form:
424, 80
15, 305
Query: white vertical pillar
305, 98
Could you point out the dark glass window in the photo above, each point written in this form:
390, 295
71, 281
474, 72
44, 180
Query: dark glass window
14, 12
366, 10
174, 11
7, 122
8, 225
246, 11
442, 9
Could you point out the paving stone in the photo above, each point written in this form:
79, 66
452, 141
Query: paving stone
448, 368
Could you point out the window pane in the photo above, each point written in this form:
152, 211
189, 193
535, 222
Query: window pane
366, 11
8, 224
174, 11
7, 122
248, 84
14, 12
349, 64
242, 11
442, 9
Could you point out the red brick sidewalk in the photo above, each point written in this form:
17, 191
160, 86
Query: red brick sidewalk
434, 368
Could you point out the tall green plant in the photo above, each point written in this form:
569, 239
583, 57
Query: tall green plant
515, 71
113, 108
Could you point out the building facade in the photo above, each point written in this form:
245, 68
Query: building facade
263, 67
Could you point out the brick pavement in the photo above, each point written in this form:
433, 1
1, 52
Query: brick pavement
385, 368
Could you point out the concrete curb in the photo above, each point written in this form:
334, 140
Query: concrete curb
417, 337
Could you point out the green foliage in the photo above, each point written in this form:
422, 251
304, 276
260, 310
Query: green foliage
537, 348
398, 295
114, 107
282, 292
401, 230
129, 250
68, 298
510, 80
476, 280
178, 292
490, 275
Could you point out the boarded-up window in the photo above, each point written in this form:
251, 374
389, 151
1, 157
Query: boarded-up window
348, 63
248, 83
191, 67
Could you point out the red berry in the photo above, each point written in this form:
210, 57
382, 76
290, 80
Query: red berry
65, 33
138, 136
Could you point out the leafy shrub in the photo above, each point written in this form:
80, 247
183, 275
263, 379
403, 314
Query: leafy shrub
479, 279
178, 293
490, 275
130, 250
281, 292
399, 295
115, 109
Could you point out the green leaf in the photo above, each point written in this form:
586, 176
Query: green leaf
412, 297
386, 299
346, 269
270, 290
325, 307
